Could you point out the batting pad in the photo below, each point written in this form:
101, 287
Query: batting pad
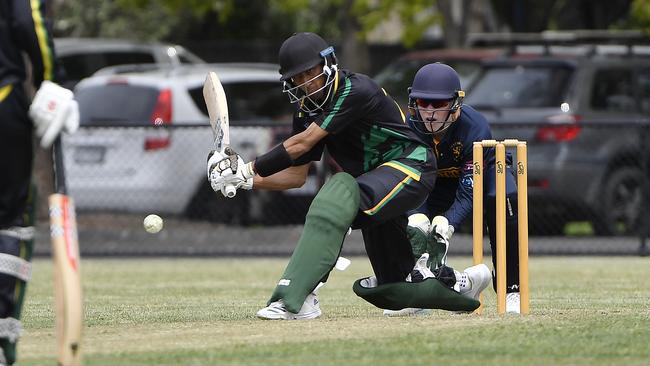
330, 215
428, 294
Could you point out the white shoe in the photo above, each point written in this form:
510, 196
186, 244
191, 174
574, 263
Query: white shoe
512, 303
276, 311
474, 280
407, 312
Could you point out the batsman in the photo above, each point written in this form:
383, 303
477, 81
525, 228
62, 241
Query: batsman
23, 30
387, 170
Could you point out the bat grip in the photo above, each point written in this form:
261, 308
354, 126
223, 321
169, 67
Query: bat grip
231, 191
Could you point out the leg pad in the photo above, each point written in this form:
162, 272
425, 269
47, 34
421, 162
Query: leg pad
428, 294
330, 215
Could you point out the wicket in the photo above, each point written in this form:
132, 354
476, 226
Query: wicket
522, 206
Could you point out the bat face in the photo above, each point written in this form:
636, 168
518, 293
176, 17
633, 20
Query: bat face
67, 281
215, 100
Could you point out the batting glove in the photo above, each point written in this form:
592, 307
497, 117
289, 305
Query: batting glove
53, 110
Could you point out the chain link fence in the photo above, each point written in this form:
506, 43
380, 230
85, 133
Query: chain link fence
588, 184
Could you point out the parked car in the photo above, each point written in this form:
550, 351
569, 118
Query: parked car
397, 77
149, 155
574, 105
81, 57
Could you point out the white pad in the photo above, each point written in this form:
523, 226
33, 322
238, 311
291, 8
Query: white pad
19, 232
15, 266
10, 329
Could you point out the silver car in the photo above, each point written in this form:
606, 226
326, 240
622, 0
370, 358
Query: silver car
81, 57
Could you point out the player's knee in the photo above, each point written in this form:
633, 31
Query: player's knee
337, 202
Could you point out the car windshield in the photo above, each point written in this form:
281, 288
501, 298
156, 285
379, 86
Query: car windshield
251, 101
520, 86
115, 103
397, 77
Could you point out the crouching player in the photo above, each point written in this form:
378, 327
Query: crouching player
438, 116
387, 170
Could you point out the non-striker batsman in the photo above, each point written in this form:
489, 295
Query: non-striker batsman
387, 170
23, 30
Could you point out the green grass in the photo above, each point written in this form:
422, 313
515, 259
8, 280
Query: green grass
585, 311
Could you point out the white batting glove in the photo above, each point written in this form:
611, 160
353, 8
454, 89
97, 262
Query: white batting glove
245, 174
214, 159
220, 173
440, 225
53, 110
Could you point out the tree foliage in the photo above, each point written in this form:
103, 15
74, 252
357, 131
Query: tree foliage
233, 19
640, 15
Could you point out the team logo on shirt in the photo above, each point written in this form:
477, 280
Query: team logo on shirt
457, 150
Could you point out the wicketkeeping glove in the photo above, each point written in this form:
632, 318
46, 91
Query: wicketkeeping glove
438, 241
418, 232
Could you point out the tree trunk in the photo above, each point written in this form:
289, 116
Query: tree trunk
456, 19
354, 50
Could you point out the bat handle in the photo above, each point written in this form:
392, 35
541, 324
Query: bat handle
231, 191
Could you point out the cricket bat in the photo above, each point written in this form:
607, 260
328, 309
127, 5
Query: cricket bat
215, 100
65, 253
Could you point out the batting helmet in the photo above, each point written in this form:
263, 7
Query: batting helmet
434, 82
299, 53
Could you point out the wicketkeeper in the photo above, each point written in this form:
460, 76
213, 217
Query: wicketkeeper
23, 30
387, 170
437, 114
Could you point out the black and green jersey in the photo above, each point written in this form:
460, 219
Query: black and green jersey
366, 127
23, 29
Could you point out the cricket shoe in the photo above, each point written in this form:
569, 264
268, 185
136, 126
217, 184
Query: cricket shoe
473, 280
513, 303
276, 311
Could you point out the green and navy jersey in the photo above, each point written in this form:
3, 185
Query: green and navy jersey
23, 29
366, 127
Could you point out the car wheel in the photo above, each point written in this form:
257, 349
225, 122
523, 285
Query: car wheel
621, 200
211, 206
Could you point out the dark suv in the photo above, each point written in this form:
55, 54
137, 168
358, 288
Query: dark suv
581, 108
398, 75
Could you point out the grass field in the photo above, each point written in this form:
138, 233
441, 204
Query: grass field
585, 311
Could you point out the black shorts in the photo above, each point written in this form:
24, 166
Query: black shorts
387, 193
393, 188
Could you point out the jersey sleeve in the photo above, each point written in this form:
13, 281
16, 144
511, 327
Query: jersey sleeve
346, 107
300, 123
463, 201
35, 38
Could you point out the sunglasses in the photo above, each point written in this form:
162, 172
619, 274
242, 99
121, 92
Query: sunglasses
436, 104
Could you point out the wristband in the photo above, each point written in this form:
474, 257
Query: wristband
273, 161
